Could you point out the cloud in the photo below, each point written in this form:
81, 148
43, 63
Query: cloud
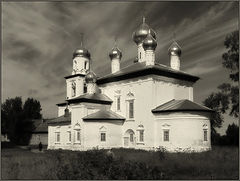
40, 37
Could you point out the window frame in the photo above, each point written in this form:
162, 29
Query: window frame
205, 135
131, 112
69, 136
105, 139
118, 103
73, 88
166, 139
57, 137
84, 88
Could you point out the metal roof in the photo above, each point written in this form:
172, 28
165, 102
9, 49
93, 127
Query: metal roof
103, 115
180, 105
92, 98
140, 69
65, 119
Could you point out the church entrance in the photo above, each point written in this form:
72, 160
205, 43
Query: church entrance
129, 138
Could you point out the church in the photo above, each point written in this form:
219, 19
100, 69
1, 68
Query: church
145, 105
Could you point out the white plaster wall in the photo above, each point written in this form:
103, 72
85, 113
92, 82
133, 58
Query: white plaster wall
80, 64
115, 64
79, 86
185, 131
143, 97
175, 62
149, 92
166, 89
150, 57
64, 139
92, 134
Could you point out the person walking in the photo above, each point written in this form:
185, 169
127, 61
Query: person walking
40, 146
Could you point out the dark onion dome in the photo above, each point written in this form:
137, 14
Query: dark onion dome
175, 49
91, 77
149, 42
81, 52
115, 53
141, 33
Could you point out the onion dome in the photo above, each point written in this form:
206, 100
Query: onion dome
115, 53
149, 42
91, 77
81, 52
175, 49
141, 33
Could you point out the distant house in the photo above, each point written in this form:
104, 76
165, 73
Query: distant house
4, 137
40, 133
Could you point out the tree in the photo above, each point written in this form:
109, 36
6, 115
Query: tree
231, 62
11, 111
32, 109
227, 96
17, 118
232, 134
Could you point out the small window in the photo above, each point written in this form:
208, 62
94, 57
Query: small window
73, 89
118, 103
57, 136
131, 109
103, 136
205, 135
85, 88
69, 136
166, 135
141, 136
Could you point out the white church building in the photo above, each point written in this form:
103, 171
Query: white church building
145, 105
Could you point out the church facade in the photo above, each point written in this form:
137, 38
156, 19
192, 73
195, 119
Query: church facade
145, 105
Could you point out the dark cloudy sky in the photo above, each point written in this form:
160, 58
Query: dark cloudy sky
39, 39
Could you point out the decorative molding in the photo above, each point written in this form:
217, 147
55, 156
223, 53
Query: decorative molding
166, 126
130, 94
117, 92
103, 129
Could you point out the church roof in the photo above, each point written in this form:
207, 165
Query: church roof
41, 125
92, 98
64, 119
180, 105
103, 115
140, 69
75, 75
41, 128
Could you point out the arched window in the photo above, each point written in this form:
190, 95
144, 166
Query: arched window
129, 138
77, 133
103, 134
73, 89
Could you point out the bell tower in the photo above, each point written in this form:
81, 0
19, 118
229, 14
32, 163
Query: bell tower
75, 83
81, 59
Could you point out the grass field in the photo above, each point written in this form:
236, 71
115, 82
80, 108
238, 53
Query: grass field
220, 163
